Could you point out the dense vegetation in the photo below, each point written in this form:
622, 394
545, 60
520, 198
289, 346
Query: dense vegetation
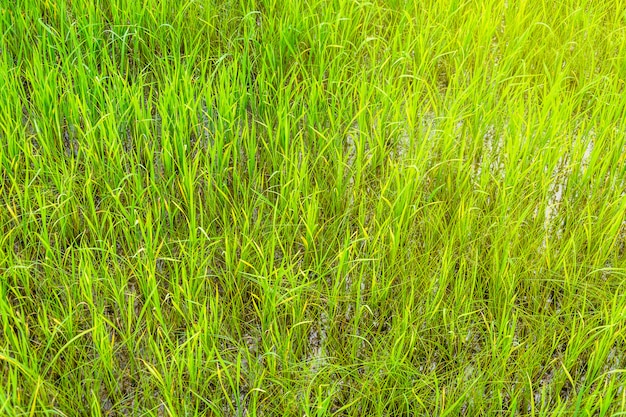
311, 208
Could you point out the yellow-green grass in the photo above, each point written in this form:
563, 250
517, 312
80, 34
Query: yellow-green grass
312, 208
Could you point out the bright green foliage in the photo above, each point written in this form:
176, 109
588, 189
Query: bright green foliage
312, 208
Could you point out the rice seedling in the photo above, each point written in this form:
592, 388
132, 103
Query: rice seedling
312, 208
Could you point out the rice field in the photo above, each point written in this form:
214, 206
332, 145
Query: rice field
312, 208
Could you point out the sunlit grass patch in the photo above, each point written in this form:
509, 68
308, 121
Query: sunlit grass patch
312, 208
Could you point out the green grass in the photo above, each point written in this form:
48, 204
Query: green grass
312, 208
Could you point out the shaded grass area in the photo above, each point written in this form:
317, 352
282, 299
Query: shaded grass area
312, 208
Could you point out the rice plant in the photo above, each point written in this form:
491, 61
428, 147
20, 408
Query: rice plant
312, 208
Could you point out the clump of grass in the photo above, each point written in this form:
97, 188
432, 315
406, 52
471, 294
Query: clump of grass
312, 208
